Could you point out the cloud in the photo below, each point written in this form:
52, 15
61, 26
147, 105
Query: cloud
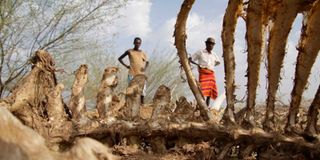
135, 18
198, 29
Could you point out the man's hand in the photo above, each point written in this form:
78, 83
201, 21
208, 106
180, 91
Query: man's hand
121, 57
191, 61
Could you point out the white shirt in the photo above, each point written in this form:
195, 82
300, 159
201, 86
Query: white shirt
206, 59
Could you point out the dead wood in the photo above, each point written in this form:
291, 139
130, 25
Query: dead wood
36, 100
118, 103
21, 142
247, 151
177, 128
77, 100
313, 113
308, 51
285, 15
87, 148
256, 19
55, 107
180, 43
161, 101
58, 127
105, 93
232, 13
225, 150
193, 130
133, 97
161, 115
32, 88
184, 111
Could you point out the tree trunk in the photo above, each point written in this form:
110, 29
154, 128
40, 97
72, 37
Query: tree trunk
180, 43
77, 100
313, 112
229, 25
55, 107
308, 51
104, 97
284, 18
133, 96
256, 17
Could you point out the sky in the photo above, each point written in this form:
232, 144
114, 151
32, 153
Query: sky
153, 21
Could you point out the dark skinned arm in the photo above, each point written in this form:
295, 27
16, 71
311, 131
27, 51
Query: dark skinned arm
145, 67
120, 59
193, 62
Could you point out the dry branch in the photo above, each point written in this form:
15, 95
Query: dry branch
38, 103
161, 102
37, 100
284, 18
308, 51
133, 96
233, 10
55, 107
313, 113
256, 18
104, 97
193, 130
180, 43
77, 100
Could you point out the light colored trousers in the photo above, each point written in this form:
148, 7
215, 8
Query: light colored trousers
130, 77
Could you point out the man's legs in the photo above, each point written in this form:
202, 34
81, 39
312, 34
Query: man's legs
130, 77
208, 101
207, 84
142, 99
143, 92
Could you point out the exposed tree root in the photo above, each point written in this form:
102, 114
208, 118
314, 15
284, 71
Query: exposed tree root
104, 97
313, 113
180, 43
256, 19
308, 51
233, 10
77, 100
205, 131
284, 18
181, 129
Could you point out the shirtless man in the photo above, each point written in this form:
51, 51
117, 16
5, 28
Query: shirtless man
138, 62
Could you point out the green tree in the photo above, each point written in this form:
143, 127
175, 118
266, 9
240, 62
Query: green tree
61, 27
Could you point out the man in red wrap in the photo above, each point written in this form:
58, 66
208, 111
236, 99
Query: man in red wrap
206, 60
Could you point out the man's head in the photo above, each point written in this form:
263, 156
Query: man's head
210, 42
137, 43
